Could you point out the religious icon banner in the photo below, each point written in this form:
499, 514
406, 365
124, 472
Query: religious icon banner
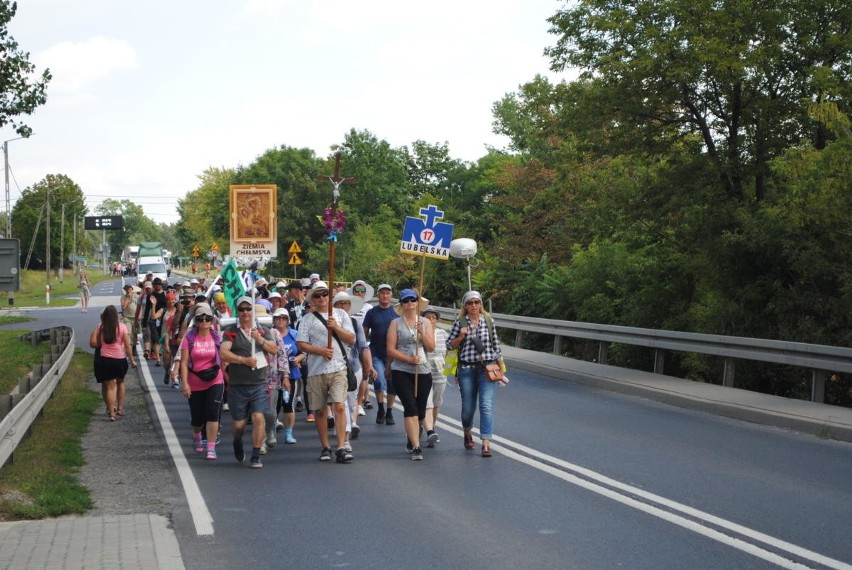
254, 221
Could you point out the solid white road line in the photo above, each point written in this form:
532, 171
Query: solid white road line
197, 506
595, 482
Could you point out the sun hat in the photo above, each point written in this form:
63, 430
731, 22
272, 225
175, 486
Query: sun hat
265, 304
370, 291
148, 285
280, 285
384, 286
281, 312
259, 309
193, 281
355, 302
219, 297
318, 286
422, 302
430, 309
203, 309
187, 292
244, 299
315, 276
274, 295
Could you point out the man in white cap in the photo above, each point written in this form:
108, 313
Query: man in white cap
327, 367
376, 325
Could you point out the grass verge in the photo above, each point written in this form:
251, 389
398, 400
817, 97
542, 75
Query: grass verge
32, 293
42, 480
17, 357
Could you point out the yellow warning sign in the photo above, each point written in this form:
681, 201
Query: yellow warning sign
295, 260
294, 248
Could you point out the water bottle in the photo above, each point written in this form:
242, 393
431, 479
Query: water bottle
286, 395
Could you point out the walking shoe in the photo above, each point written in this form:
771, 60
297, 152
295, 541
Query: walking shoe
325, 455
238, 450
278, 425
368, 405
288, 436
198, 445
347, 446
211, 454
263, 449
300, 407
468, 441
389, 418
432, 439
255, 463
176, 385
408, 447
344, 456
417, 454
311, 418
361, 411
356, 431
380, 417
271, 439
225, 407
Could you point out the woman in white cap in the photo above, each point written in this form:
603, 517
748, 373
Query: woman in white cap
475, 337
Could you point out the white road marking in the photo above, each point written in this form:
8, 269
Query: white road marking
622, 492
197, 506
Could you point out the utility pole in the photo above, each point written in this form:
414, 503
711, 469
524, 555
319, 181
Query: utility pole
47, 243
62, 245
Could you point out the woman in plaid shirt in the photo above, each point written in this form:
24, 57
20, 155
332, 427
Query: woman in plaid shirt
478, 345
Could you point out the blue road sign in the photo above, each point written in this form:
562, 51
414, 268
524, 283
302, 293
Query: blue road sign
426, 235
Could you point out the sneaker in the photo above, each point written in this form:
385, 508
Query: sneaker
408, 447
361, 411
226, 407
356, 431
380, 417
368, 405
255, 463
432, 439
300, 407
389, 418
238, 450
278, 425
347, 446
325, 455
343, 456
288, 437
176, 385
199, 445
417, 454
263, 448
271, 440
311, 418
211, 454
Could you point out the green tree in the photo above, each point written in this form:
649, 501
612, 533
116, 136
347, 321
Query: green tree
20, 92
203, 213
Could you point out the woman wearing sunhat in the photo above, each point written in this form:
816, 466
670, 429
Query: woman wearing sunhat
410, 337
475, 337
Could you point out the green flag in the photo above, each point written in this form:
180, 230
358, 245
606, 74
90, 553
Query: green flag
232, 285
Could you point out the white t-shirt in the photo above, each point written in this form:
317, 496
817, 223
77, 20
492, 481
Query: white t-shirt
313, 331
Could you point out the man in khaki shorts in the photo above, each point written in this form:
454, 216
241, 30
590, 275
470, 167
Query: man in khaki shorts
326, 367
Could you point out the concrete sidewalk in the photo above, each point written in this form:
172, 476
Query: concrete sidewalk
822, 420
121, 541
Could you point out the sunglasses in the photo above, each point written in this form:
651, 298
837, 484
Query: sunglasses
409, 300
243, 309
281, 317
360, 290
322, 294
474, 302
203, 319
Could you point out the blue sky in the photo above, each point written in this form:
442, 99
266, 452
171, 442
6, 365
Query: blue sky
146, 95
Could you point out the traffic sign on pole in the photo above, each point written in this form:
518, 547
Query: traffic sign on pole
294, 248
294, 260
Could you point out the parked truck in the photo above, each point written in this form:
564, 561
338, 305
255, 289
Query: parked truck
151, 260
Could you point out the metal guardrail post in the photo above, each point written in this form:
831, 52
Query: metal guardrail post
728, 373
603, 352
818, 386
557, 344
519, 338
659, 360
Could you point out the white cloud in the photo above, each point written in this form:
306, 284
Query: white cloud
76, 65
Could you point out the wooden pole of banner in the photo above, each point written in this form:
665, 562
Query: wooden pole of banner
336, 180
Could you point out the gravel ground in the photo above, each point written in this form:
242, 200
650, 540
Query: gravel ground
128, 469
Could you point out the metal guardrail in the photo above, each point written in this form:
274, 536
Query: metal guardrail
820, 359
19, 409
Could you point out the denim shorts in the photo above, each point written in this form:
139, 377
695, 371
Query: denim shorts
247, 399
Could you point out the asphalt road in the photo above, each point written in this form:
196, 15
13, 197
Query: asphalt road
580, 478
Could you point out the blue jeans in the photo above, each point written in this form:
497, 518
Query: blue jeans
381, 384
474, 382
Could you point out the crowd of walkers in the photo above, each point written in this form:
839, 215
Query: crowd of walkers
291, 348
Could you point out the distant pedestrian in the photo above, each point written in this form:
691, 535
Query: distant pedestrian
111, 341
475, 337
129, 305
376, 325
83, 284
439, 379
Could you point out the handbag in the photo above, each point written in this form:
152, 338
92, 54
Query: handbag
494, 371
208, 374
